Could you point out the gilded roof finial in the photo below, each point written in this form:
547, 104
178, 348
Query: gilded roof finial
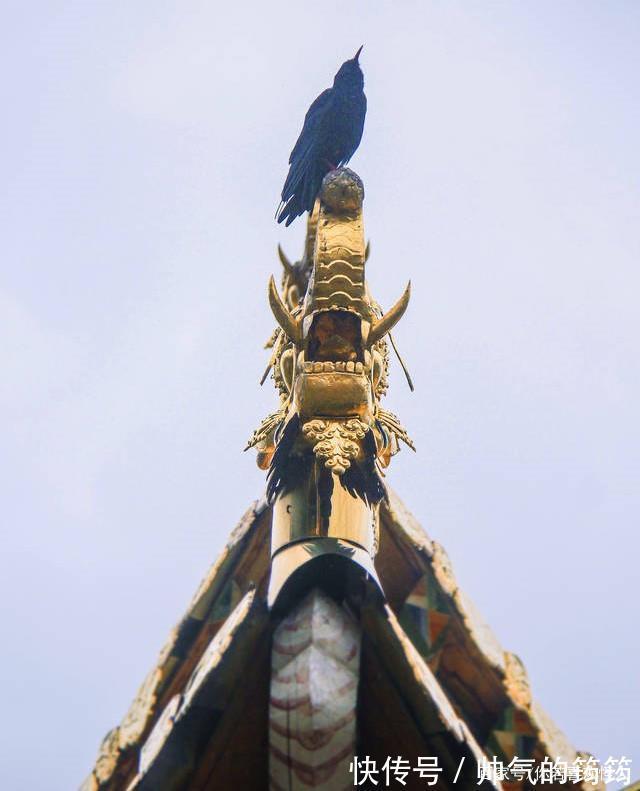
326, 446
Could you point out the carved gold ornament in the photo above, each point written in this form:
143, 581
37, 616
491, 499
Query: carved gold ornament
335, 442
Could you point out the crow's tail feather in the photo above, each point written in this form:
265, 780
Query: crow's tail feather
304, 195
290, 210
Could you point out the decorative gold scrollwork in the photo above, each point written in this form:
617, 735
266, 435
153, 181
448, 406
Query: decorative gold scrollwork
335, 442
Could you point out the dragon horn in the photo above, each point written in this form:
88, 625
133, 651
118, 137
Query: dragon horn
288, 267
390, 318
291, 326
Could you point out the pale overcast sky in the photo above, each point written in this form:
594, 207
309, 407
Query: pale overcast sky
144, 147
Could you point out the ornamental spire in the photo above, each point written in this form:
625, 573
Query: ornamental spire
326, 446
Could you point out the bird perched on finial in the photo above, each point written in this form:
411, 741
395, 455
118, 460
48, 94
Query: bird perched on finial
331, 132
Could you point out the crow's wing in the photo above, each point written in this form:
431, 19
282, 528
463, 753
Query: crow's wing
312, 121
358, 113
304, 151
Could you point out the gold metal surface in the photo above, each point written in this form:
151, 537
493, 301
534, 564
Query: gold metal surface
293, 557
330, 364
297, 517
336, 442
335, 394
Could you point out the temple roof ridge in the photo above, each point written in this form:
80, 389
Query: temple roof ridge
457, 652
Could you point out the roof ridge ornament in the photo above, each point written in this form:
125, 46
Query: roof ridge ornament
326, 447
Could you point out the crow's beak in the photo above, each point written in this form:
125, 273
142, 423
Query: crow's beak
357, 55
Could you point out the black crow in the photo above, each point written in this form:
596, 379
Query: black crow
331, 132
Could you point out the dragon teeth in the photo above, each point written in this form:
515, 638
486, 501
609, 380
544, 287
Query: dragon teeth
330, 367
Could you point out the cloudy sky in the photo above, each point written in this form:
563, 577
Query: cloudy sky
144, 146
